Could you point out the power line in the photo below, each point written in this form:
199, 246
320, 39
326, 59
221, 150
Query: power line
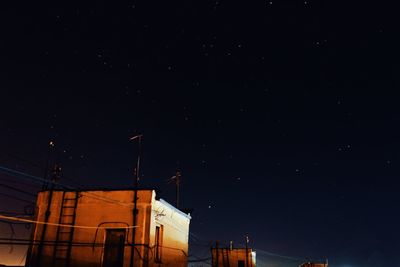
38, 179
17, 198
272, 254
23, 175
17, 190
43, 180
12, 218
18, 182
88, 194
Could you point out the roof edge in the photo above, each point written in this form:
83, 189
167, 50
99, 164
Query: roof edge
175, 208
102, 189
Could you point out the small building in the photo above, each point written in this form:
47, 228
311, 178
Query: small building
96, 228
314, 264
233, 257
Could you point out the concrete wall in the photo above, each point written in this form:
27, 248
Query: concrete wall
175, 223
113, 209
227, 257
310, 264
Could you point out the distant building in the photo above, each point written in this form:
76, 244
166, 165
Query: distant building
95, 228
313, 264
233, 257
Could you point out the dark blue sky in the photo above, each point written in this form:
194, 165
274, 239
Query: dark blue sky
283, 116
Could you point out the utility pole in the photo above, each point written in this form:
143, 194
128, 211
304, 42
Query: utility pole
135, 198
247, 250
49, 200
216, 254
46, 168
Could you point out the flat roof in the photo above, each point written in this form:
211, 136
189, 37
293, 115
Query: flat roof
102, 189
121, 189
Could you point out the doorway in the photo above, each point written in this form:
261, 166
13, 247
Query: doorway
114, 248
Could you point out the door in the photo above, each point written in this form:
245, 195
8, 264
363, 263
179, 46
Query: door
114, 248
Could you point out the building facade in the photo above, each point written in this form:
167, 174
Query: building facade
313, 264
96, 228
233, 257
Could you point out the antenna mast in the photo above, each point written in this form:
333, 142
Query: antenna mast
177, 179
135, 198
137, 168
177, 184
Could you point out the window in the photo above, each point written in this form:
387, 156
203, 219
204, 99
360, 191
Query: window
114, 248
158, 243
240, 263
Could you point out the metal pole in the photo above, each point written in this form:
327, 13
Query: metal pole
247, 250
135, 198
47, 212
46, 168
216, 254
178, 181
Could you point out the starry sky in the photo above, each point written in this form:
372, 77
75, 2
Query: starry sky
282, 116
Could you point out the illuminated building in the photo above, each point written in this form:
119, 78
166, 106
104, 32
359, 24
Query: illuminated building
229, 257
313, 264
95, 228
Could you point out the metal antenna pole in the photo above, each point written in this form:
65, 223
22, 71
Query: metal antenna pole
216, 254
46, 168
247, 250
138, 161
47, 213
177, 183
135, 198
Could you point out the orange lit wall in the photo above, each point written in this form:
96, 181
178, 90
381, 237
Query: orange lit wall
115, 209
314, 265
230, 257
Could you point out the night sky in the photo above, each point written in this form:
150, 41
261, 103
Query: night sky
283, 116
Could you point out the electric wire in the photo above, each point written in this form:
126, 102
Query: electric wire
41, 180
17, 190
89, 194
17, 198
272, 254
12, 218
95, 196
